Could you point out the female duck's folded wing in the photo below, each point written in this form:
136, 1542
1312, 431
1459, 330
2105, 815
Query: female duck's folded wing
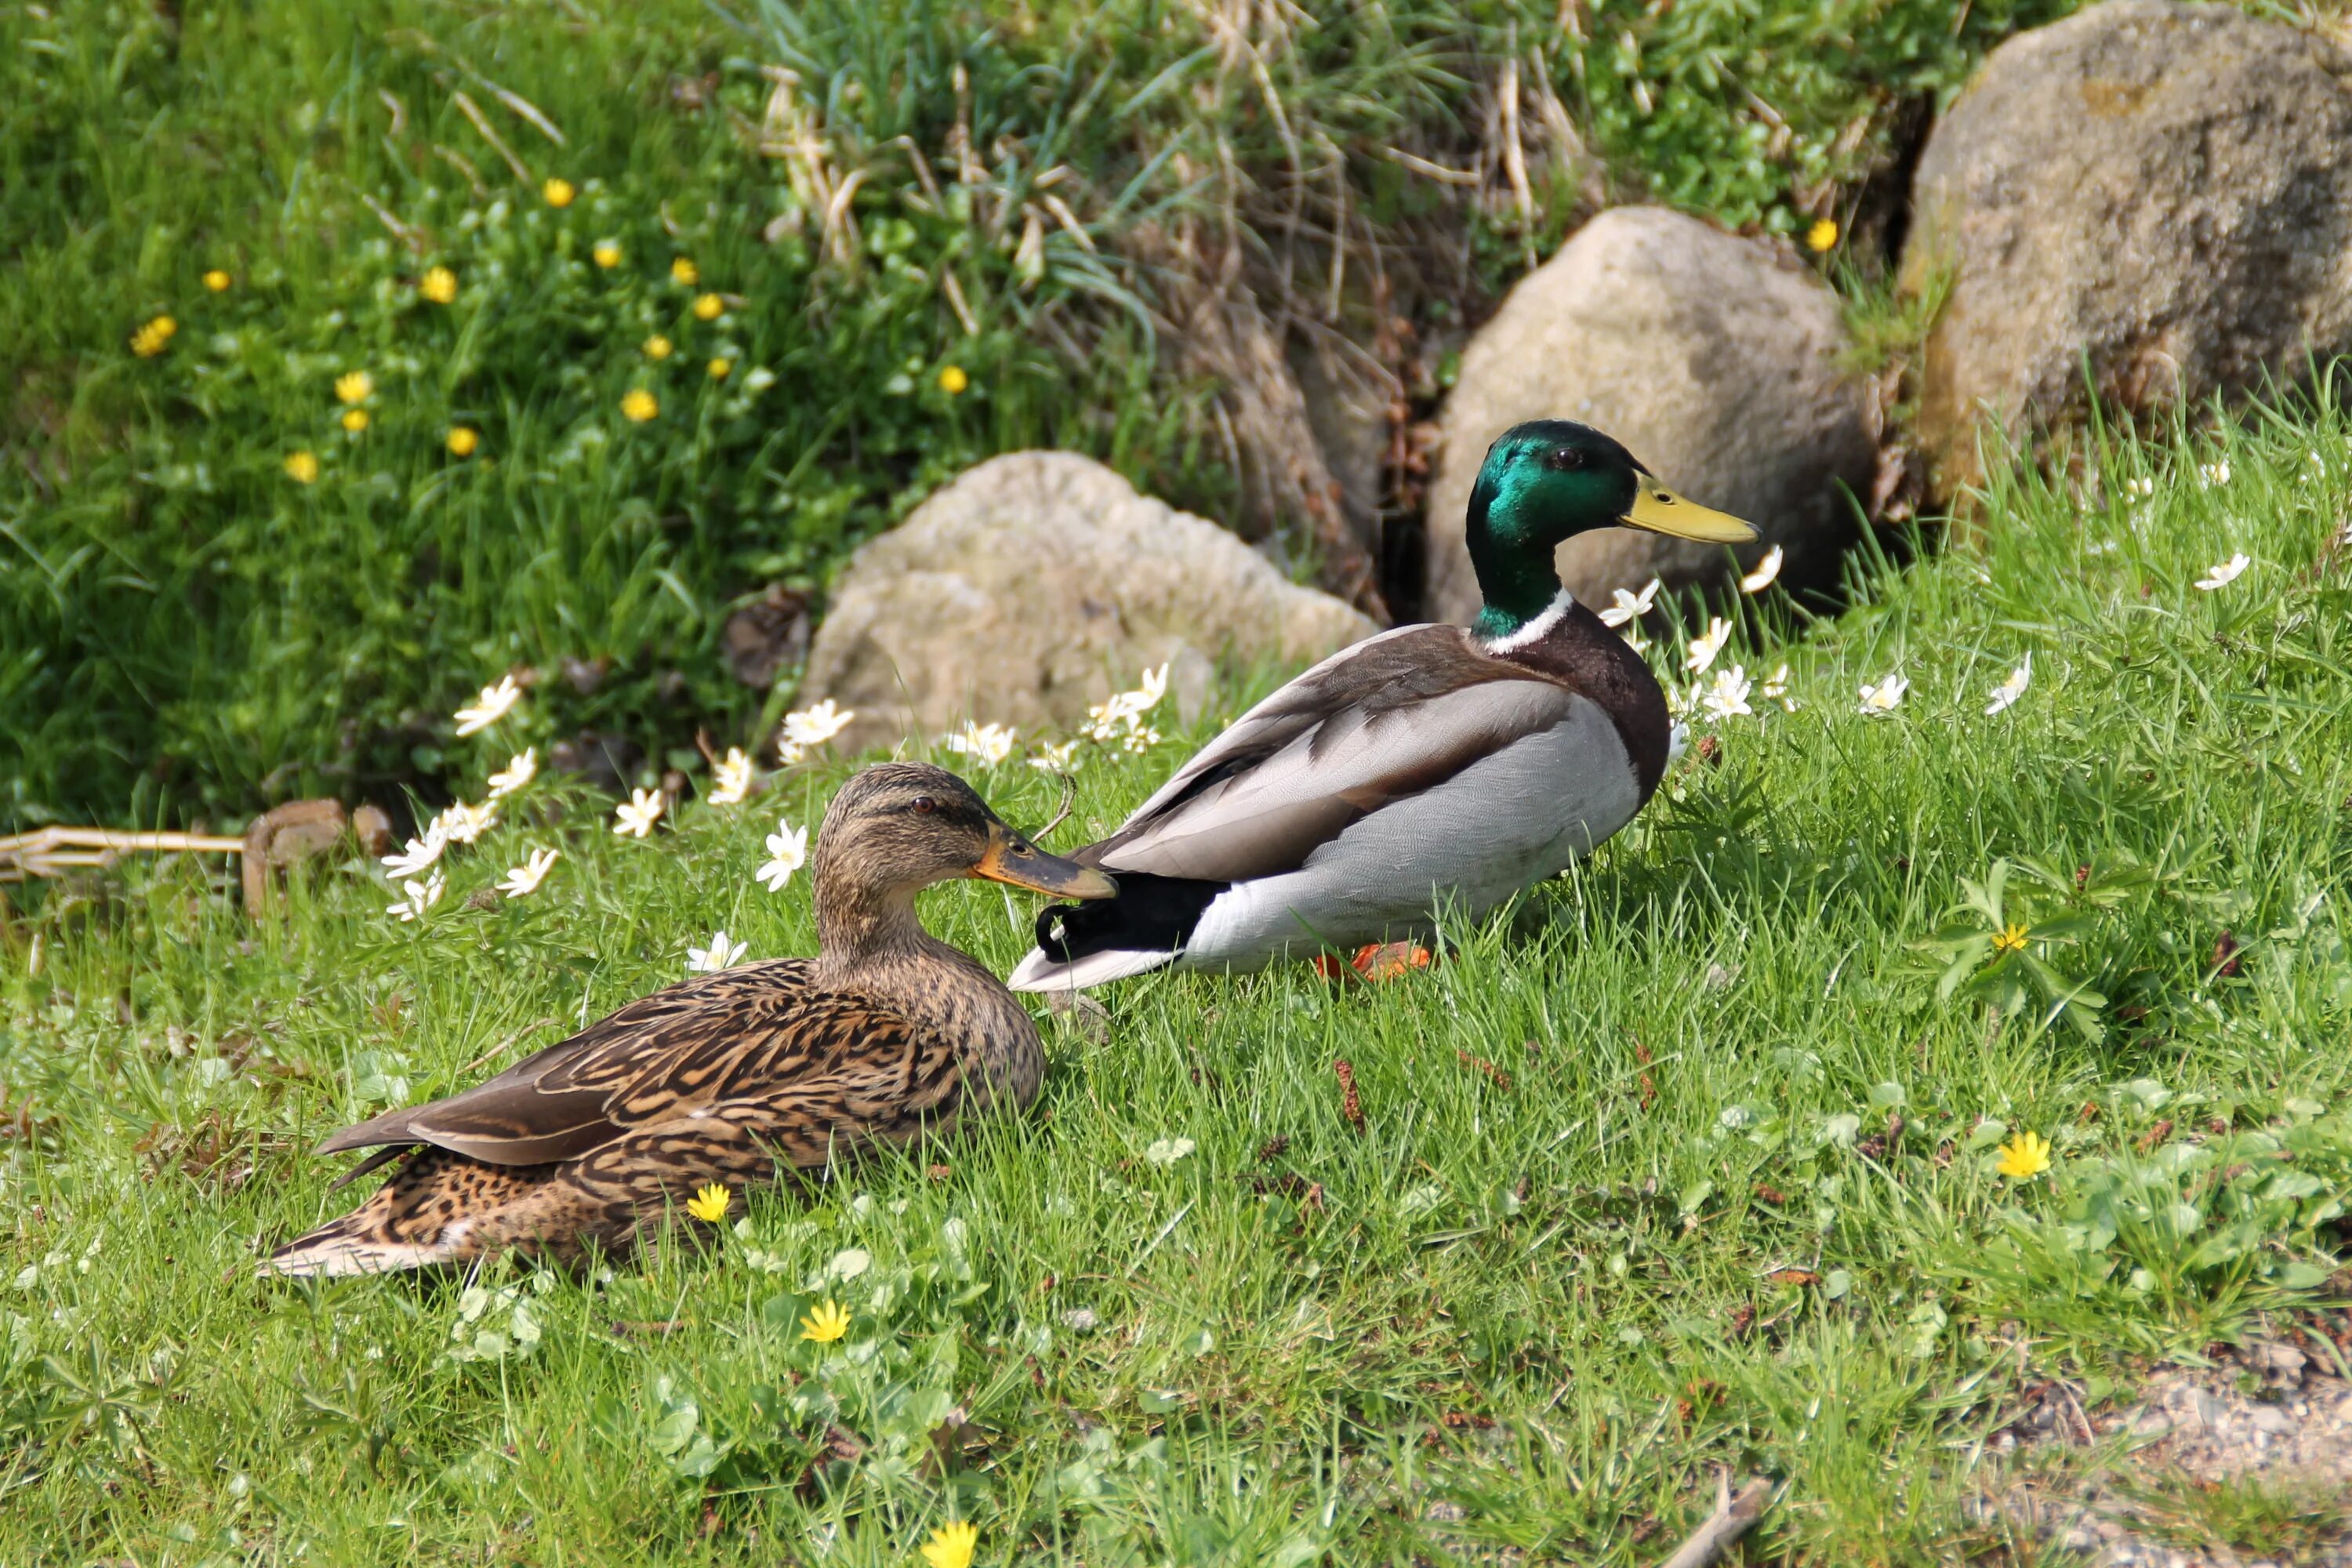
1391, 717
684, 1044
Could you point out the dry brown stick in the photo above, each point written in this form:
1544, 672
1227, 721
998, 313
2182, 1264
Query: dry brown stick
472, 111
49, 850
1733, 1517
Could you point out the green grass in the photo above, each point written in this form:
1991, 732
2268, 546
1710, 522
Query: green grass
1526, 1317
186, 633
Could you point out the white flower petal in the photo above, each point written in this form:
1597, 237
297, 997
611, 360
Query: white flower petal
520, 771
2226, 572
1768, 569
494, 704
525, 878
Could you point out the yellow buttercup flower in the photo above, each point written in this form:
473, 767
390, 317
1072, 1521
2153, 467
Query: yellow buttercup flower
558, 193
2010, 939
709, 307
2024, 1157
438, 285
951, 1545
657, 347
709, 1204
952, 380
302, 468
218, 281
827, 1324
719, 368
462, 441
154, 337
1823, 235
607, 254
684, 272
638, 406
353, 386
355, 420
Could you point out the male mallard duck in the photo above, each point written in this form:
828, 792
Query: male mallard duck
1429, 762
726, 1075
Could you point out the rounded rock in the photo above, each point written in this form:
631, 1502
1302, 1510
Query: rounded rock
1033, 587
2160, 191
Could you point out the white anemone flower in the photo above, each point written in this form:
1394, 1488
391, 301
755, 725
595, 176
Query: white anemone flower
1775, 689
1625, 608
416, 897
521, 770
787, 853
419, 854
636, 817
731, 779
1727, 697
1885, 697
2226, 572
525, 878
986, 743
720, 954
494, 704
462, 824
808, 727
2005, 695
1707, 645
2215, 473
1768, 569
1140, 739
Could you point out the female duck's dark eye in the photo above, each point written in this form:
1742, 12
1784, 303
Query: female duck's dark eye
1565, 460
924, 806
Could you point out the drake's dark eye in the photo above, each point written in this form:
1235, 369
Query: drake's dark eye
1565, 460
923, 806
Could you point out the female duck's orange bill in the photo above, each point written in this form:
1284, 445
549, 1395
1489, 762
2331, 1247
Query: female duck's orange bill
1014, 861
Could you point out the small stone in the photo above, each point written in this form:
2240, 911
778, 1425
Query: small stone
2282, 1365
2270, 1419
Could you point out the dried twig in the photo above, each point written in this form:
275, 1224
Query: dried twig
1733, 1517
473, 111
1351, 1105
1069, 797
50, 850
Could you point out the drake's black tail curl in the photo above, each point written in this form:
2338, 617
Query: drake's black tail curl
1151, 914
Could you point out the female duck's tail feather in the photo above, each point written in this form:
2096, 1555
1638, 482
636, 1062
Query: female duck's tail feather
438, 1208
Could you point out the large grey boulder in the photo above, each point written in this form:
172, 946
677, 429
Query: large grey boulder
1037, 585
2164, 191
1714, 359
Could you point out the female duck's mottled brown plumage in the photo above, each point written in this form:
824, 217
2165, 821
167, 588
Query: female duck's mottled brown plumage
726, 1077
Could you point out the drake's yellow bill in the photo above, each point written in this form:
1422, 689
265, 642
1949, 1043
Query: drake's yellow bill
1661, 511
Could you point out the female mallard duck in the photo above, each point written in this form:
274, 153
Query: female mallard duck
1428, 763
725, 1077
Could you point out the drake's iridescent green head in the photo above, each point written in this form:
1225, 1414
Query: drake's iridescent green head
1545, 482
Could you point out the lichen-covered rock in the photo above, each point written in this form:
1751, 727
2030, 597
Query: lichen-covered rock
2161, 192
1037, 585
1715, 359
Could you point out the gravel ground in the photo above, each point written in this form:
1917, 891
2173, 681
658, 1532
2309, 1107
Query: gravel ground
2245, 1464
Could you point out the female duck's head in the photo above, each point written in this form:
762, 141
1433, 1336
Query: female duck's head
1543, 483
898, 827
